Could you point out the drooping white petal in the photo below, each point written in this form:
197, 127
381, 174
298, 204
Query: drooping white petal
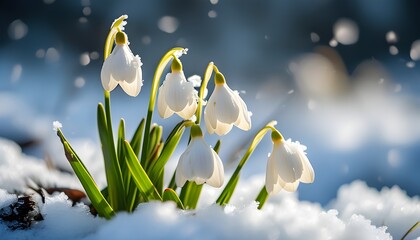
201, 158
210, 116
288, 162
271, 177
244, 119
289, 187
163, 108
121, 58
308, 174
217, 178
209, 128
108, 82
176, 97
227, 110
199, 163
122, 67
222, 128
132, 89
184, 170
188, 111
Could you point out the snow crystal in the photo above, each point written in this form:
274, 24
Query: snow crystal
79, 82
415, 50
52, 55
314, 37
391, 37
168, 24
346, 31
393, 50
40, 53
333, 43
87, 11
146, 40
212, 14
17, 29
16, 72
84, 59
94, 55
57, 125
195, 80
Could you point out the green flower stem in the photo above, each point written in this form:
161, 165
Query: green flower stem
153, 92
262, 197
227, 192
207, 75
109, 42
417, 224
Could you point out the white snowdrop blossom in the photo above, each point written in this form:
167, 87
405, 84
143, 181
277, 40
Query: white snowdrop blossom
123, 68
199, 163
287, 166
224, 109
176, 95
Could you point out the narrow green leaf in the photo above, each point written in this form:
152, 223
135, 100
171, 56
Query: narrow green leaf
98, 200
190, 194
140, 177
112, 168
262, 197
170, 195
227, 192
155, 141
121, 152
137, 139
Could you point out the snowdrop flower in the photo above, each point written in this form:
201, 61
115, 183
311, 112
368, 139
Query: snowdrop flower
225, 108
287, 166
199, 163
122, 67
176, 95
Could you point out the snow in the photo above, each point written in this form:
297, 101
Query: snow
358, 212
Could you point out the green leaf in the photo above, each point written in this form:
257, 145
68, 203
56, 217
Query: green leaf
190, 193
227, 192
170, 195
98, 200
140, 177
137, 139
262, 197
153, 147
169, 147
112, 168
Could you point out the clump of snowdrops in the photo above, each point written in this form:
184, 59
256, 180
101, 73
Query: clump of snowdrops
134, 167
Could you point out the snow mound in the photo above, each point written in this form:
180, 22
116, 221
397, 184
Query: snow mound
17, 170
359, 212
390, 207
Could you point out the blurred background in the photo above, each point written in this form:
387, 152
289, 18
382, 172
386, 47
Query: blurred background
341, 77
